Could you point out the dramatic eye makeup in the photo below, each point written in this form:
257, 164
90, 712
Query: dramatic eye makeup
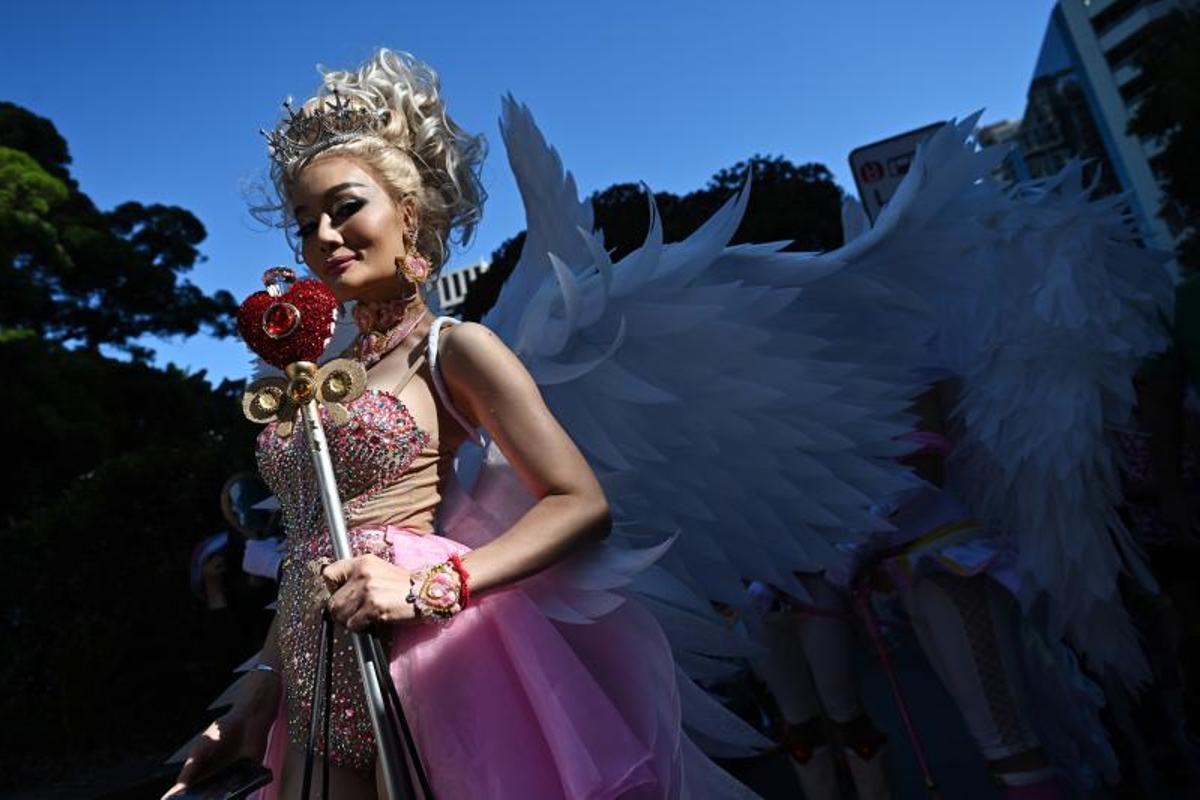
340, 209
339, 212
344, 209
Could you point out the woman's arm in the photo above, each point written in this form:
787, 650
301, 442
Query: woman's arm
488, 383
492, 387
241, 732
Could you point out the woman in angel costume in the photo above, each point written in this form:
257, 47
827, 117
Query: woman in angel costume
375, 176
740, 408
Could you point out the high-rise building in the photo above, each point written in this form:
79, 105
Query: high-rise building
1011, 169
1085, 87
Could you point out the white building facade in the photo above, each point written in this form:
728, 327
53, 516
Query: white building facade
452, 286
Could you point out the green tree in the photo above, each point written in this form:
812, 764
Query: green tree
72, 273
482, 293
75, 409
799, 204
117, 472
1168, 112
28, 194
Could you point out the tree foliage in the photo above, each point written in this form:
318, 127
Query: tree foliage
484, 290
73, 273
1169, 114
78, 409
119, 477
116, 471
798, 204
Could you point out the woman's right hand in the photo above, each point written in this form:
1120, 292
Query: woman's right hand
239, 733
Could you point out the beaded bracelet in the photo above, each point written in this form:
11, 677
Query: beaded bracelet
464, 581
439, 591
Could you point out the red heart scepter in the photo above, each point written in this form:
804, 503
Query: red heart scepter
284, 327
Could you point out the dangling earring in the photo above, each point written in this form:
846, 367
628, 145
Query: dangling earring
416, 266
412, 268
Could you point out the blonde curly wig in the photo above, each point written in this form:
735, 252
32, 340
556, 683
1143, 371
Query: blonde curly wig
421, 153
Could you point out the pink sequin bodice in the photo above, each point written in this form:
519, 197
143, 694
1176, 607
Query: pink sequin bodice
371, 452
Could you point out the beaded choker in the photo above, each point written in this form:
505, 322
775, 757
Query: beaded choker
382, 327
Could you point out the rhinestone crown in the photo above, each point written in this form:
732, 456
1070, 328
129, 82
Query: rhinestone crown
305, 133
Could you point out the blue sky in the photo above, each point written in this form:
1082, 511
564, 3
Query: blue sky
161, 101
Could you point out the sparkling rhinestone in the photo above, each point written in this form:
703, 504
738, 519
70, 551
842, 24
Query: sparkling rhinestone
280, 319
363, 472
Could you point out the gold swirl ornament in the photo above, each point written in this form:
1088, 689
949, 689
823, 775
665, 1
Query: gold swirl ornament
276, 399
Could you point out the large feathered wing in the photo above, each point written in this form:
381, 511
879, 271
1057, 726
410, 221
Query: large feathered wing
749, 401
1065, 308
1040, 304
732, 438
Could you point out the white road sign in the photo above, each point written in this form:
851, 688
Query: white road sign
878, 168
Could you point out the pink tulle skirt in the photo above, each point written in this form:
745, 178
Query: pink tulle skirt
506, 703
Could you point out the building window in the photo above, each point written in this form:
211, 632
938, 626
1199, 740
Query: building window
1134, 88
1112, 16
1129, 50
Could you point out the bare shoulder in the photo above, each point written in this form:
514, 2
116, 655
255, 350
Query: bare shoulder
470, 348
474, 358
469, 341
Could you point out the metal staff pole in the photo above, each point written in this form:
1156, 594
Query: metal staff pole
368, 652
269, 322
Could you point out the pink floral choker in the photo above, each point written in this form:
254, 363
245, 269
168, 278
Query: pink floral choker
382, 326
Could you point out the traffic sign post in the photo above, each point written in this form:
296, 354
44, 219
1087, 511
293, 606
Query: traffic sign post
878, 168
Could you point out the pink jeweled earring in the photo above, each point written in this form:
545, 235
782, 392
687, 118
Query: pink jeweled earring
412, 268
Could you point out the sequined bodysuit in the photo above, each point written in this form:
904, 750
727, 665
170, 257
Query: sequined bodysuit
382, 461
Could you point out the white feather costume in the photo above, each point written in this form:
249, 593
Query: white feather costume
743, 406
750, 399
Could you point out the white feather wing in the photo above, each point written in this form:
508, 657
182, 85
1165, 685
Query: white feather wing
1041, 304
749, 399
713, 405
1067, 307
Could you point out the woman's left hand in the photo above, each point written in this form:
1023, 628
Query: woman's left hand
367, 590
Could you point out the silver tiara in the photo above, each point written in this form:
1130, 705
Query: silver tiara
306, 133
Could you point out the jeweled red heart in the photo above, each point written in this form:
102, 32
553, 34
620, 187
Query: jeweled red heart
294, 326
280, 319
